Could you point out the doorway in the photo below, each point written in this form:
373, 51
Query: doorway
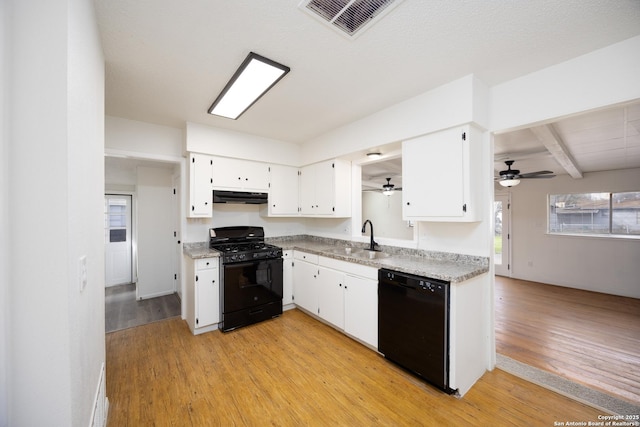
502, 235
118, 246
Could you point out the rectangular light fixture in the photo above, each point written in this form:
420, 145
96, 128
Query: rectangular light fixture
253, 79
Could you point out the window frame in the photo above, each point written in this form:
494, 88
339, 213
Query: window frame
609, 234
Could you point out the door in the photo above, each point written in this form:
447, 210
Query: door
117, 231
177, 252
502, 235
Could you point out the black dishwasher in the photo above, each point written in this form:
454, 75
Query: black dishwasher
413, 324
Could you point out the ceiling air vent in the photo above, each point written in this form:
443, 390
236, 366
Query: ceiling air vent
350, 17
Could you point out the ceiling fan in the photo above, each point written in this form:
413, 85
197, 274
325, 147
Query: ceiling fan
387, 189
512, 177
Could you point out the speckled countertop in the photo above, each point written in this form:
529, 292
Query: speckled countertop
438, 265
199, 250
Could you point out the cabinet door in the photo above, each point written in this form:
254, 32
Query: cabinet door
305, 293
361, 309
307, 190
324, 188
331, 296
287, 277
200, 179
207, 297
236, 174
256, 176
227, 173
433, 175
283, 191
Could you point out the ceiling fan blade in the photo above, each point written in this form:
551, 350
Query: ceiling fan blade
537, 176
534, 174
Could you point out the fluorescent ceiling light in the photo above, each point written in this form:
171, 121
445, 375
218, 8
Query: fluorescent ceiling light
253, 79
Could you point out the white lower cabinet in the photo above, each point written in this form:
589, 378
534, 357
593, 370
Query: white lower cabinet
331, 296
361, 308
202, 294
341, 293
305, 285
287, 277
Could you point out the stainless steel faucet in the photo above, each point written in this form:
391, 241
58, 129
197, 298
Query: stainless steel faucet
373, 243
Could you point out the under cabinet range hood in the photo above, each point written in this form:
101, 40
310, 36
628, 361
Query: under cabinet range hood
244, 197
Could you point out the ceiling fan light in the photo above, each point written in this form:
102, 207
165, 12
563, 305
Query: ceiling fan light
388, 191
509, 182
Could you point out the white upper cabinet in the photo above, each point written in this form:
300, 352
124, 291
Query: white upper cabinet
283, 191
442, 176
200, 186
325, 189
236, 174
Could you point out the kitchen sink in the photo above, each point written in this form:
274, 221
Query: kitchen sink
366, 254
346, 251
358, 253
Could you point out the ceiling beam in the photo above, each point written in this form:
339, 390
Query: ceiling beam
552, 141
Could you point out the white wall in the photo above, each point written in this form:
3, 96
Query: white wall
155, 227
226, 143
458, 102
142, 140
598, 264
385, 211
56, 332
5, 244
598, 79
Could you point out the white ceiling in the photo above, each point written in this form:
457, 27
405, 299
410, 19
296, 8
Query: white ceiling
607, 139
167, 60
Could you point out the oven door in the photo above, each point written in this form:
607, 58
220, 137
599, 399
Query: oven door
251, 284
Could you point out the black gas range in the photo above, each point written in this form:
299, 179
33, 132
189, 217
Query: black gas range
251, 288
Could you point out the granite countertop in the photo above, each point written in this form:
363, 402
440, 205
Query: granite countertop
199, 250
451, 267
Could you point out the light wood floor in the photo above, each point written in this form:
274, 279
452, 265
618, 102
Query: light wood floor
296, 371
587, 337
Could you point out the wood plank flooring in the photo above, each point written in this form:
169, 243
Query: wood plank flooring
122, 310
587, 337
296, 371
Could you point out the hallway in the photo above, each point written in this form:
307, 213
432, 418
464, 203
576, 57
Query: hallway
122, 311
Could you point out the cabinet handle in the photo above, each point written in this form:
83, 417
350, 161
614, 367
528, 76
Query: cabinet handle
408, 203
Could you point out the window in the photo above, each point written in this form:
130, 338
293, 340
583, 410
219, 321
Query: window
595, 214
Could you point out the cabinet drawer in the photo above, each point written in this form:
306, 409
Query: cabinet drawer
206, 263
352, 268
288, 254
304, 256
